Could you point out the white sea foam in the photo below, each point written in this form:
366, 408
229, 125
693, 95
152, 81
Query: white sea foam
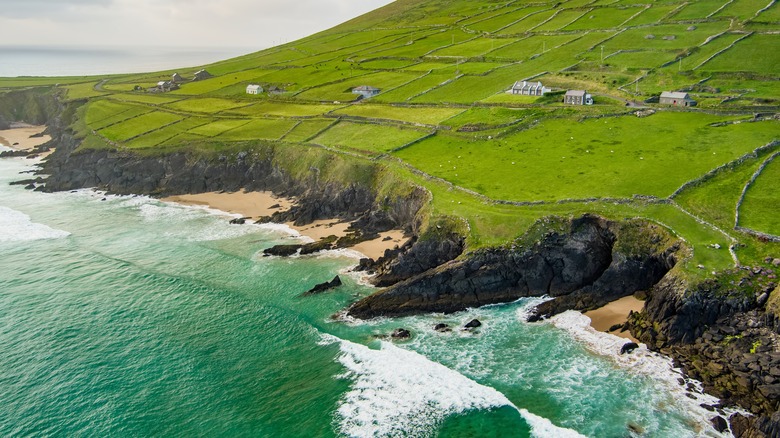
16, 226
642, 362
397, 392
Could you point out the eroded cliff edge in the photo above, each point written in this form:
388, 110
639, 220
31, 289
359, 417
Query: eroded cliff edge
582, 263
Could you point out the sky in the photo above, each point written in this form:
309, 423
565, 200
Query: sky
254, 24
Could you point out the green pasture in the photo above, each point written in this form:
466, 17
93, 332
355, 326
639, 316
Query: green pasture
136, 126
759, 210
421, 47
698, 9
424, 115
652, 15
387, 64
563, 18
500, 21
162, 135
476, 47
367, 138
217, 127
482, 118
103, 113
605, 18
342, 91
638, 38
147, 98
307, 129
533, 45
44, 81
83, 91
420, 85
742, 9
610, 157
528, 22
640, 60
701, 54
207, 105
758, 53
282, 109
269, 129
715, 199
771, 15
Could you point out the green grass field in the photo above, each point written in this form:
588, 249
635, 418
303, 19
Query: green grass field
759, 209
612, 157
424, 115
137, 126
444, 66
367, 138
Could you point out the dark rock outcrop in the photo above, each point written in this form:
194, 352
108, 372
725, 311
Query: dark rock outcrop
400, 333
322, 287
474, 323
628, 347
580, 263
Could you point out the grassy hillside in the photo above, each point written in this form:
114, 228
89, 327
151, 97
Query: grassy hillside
500, 161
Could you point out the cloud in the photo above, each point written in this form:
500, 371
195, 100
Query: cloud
230, 23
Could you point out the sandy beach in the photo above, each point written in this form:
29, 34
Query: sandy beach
19, 138
613, 313
255, 205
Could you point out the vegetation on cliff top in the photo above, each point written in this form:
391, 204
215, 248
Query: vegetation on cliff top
499, 161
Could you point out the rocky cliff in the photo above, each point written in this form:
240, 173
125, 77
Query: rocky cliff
581, 263
723, 332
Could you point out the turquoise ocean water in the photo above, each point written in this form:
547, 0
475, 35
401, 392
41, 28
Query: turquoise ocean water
127, 316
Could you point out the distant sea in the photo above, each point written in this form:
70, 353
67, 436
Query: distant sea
85, 61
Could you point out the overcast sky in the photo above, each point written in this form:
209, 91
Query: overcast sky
188, 23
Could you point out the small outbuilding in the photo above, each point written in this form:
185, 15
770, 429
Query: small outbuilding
578, 97
366, 91
176, 78
254, 89
526, 88
201, 75
676, 98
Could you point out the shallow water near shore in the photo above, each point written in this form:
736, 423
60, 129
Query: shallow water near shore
129, 316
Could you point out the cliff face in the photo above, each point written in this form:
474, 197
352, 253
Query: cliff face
723, 332
581, 267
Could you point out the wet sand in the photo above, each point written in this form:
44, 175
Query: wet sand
19, 138
255, 205
613, 313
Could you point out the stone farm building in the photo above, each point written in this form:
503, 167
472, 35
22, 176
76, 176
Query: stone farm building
164, 86
254, 89
366, 91
176, 78
676, 98
578, 97
201, 75
529, 88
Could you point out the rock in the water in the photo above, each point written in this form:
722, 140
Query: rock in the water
322, 287
474, 323
441, 327
29, 187
282, 250
238, 221
400, 333
719, 423
628, 347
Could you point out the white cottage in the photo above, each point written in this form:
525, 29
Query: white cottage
526, 88
254, 89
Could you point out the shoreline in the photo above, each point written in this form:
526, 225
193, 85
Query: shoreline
615, 312
20, 137
255, 205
